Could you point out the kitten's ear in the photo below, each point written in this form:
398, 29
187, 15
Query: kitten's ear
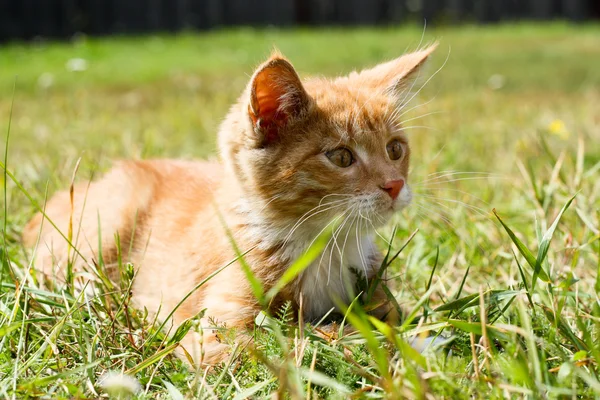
394, 76
276, 97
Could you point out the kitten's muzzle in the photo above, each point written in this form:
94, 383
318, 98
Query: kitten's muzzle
393, 188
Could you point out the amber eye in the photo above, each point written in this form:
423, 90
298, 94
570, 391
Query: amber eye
395, 149
341, 157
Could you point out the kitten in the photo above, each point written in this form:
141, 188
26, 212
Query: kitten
297, 157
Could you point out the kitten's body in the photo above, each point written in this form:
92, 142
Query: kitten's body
276, 191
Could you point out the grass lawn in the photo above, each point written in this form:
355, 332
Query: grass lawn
511, 122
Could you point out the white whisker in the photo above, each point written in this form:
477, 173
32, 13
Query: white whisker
426, 189
405, 128
421, 116
438, 200
444, 174
311, 213
346, 240
428, 80
415, 107
359, 244
434, 212
335, 234
441, 182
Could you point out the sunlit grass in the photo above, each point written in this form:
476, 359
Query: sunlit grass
512, 125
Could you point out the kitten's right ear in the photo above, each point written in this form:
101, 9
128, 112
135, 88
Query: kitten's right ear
276, 97
393, 77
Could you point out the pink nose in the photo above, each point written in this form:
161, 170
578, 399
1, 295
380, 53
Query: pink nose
393, 188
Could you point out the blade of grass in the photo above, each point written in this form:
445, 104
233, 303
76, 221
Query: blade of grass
525, 252
522, 273
255, 284
305, 260
359, 319
37, 206
564, 329
435, 264
384, 265
472, 300
247, 393
5, 187
39, 382
152, 359
545, 245
321, 379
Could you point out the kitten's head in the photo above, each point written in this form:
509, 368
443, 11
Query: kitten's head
323, 146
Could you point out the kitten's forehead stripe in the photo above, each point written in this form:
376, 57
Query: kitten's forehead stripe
363, 154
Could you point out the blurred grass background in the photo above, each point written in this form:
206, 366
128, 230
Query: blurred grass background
165, 95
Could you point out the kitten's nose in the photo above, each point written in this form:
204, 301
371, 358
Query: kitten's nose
393, 188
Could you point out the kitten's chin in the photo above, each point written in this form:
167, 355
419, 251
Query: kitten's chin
391, 211
387, 215
398, 206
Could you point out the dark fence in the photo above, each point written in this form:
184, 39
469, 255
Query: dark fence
28, 19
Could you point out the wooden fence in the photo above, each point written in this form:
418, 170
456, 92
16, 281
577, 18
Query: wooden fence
29, 19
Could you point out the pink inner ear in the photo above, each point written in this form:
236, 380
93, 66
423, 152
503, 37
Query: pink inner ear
277, 96
268, 112
268, 99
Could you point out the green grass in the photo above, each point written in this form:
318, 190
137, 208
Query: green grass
531, 143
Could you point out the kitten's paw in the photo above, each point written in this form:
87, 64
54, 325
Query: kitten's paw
51, 266
200, 350
332, 332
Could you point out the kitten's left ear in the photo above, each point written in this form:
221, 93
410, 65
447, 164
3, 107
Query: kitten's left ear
276, 97
394, 76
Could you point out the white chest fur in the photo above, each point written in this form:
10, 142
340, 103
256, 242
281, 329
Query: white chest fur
334, 273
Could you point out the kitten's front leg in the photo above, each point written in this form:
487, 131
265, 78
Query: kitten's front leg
231, 308
381, 307
378, 303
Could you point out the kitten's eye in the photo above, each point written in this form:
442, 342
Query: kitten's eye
395, 149
341, 157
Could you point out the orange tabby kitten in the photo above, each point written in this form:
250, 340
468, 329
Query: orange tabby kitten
297, 155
